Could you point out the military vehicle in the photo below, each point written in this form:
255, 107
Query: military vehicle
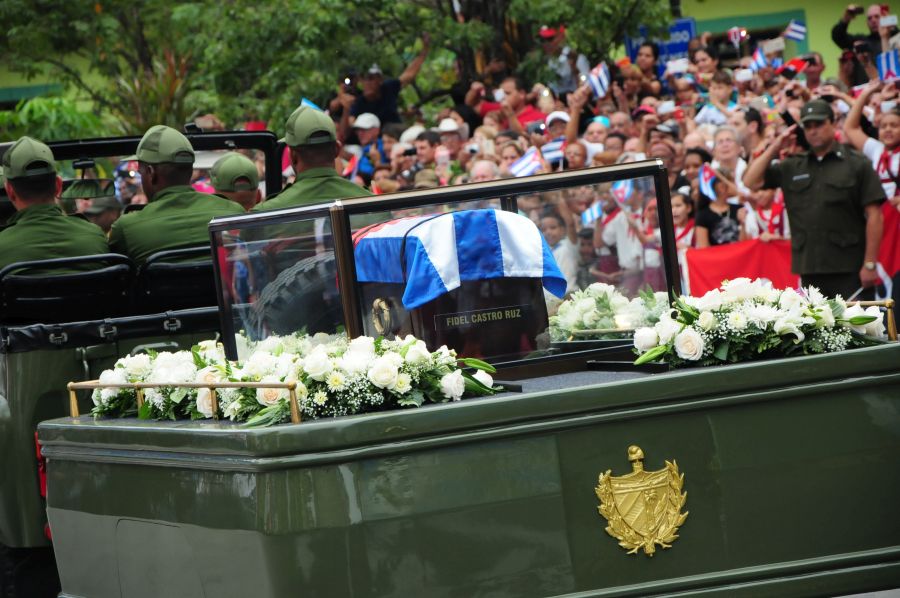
587, 476
59, 327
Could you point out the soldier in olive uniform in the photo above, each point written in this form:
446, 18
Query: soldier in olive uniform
95, 199
235, 177
176, 215
313, 144
833, 198
39, 230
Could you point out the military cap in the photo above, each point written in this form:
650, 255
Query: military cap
227, 172
88, 189
816, 110
164, 145
307, 126
103, 203
28, 157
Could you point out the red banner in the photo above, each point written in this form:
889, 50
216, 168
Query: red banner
708, 267
889, 256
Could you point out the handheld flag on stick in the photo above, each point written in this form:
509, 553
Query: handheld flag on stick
888, 64
796, 30
527, 165
592, 214
759, 60
553, 150
622, 191
598, 79
707, 181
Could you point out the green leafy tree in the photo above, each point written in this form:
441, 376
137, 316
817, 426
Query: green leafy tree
49, 118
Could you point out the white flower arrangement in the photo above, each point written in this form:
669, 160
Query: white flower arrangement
333, 377
601, 312
744, 320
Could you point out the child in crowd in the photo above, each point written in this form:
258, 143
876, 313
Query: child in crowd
767, 220
553, 227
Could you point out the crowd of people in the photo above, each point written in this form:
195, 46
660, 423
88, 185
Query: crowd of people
762, 147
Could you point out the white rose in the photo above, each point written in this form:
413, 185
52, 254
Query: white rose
393, 357
707, 320
667, 328
317, 364
383, 373
484, 378
737, 320
453, 385
417, 352
114, 376
364, 345
740, 289
204, 402
136, 366
404, 384
689, 344
270, 396
353, 362
711, 301
321, 338
208, 375
284, 365
645, 339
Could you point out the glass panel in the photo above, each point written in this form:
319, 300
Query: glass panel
279, 278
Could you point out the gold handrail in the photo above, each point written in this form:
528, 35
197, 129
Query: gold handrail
888, 304
139, 387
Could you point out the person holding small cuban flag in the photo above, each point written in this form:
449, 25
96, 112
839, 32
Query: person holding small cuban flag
719, 222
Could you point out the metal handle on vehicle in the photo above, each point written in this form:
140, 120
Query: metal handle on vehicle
140, 386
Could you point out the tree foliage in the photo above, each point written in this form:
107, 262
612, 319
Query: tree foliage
157, 61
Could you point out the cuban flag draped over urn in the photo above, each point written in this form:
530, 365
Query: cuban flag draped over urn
472, 280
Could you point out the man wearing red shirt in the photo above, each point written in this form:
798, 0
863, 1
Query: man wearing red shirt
513, 104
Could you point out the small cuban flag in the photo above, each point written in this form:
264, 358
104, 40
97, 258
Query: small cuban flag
622, 191
707, 180
759, 60
598, 79
590, 215
433, 254
527, 165
310, 104
888, 64
796, 30
553, 150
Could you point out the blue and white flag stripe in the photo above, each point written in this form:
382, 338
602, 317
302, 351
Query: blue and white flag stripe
553, 150
707, 180
622, 191
310, 104
796, 30
432, 254
888, 64
590, 215
759, 60
598, 79
527, 165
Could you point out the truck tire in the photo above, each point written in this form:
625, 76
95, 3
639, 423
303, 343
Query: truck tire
302, 297
28, 573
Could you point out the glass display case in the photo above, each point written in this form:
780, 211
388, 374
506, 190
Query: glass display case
477, 267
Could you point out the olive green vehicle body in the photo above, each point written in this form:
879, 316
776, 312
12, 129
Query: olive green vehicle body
790, 469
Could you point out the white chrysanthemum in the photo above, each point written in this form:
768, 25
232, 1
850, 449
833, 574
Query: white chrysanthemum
484, 378
383, 372
453, 385
762, 315
689, 344
137, 367
815, 296
393, 357
706, 320
320, 398
583, 306
336, 380
270, 396
624, 321
737, 320
404, 383
645, 339
318, 364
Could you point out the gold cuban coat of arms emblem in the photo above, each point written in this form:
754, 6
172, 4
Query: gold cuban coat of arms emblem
643, 508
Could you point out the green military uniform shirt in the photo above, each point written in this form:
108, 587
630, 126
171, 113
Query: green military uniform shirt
43, 232
175, 218
825, 201
315, 185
